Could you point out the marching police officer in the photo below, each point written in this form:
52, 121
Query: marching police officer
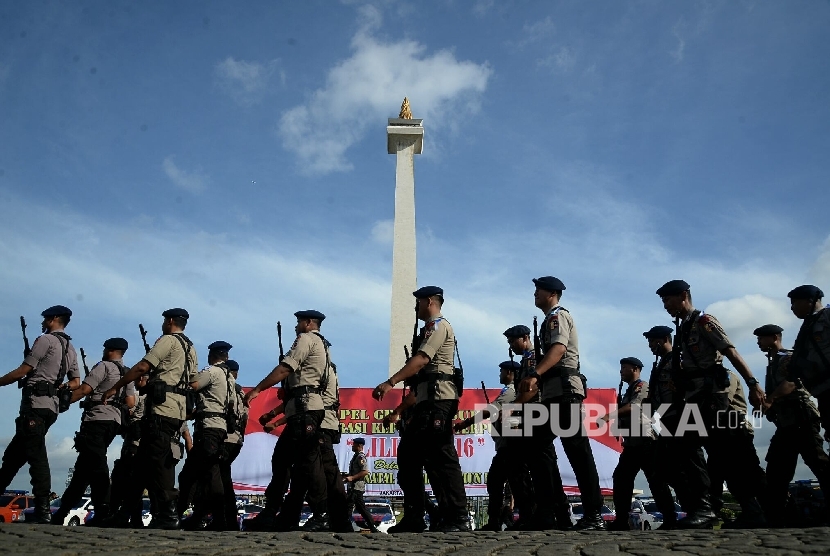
99, 424
700, 346
233, 445
358, 470
797, 426
638, 449
305, 369
123, 509
431, 441
499, 471
562, 387
172, 364
40, 375
811, 353
213, 415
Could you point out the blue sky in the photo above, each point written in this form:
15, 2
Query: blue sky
231, 159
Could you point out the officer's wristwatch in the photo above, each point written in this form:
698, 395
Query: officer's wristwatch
535, 375
751, 382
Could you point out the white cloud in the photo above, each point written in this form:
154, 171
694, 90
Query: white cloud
561, 60
193, 181
677, 53
246, 82
368, 87
482, 7
382, 232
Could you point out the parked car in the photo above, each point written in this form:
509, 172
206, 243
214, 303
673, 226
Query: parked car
806, 506
644, 514
247, 511
12, 505
75, 517
146, 516
382, 514
575, 508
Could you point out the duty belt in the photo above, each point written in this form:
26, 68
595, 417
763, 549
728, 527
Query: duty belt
209, 414
303, 390
430, 377
175, 390
89, 404
561, 372
48, 389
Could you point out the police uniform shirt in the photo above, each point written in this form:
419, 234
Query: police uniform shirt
307, 360
46, 357
737, 400
558, 328
101, 378
812, 362
136, 415
660, 383
702, 341
787, 410
358, 464
237, 436
331, 421
507, 395
528, 365
212, 387
635, 394
168, 361
438, 344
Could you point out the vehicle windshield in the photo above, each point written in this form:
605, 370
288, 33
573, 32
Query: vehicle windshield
56, 503
650, 507
379, 510
577, 509
5, 501
145, 505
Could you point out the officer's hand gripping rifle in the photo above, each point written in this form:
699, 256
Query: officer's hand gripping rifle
279, 339
26, 349
144, 338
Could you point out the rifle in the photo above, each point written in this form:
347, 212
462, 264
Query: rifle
83, 360
537, 345
406, 352
510, 354
458, 374
415, 336
26, 349
484, 389
279, 339
144, 338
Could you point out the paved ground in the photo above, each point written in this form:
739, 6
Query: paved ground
46, 539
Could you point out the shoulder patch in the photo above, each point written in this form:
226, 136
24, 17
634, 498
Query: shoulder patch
553, 322
703, 318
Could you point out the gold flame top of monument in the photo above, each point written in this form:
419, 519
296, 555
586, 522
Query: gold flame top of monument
406, 113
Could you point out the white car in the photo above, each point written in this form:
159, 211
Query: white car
146, 516
382, 513
76, 515
640, 515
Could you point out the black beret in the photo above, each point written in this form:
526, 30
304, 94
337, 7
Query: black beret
175, 313
673, 287
549, 284
658, 332
310, 314
768, 330
116, 343
517, 331
220, 346
56, 311
359, 440
232, 365
806, 292
428, 291
631, 361
510, 365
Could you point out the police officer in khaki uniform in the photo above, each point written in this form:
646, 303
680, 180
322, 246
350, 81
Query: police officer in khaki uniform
431, 441
499, 470
797, 427
305, 370
667, 407
638, 449
700, 346
41, 375
562, 387
358, 470
99, 424
214, 387
811, 353
525, 451
172, 364
233, 445
122, 469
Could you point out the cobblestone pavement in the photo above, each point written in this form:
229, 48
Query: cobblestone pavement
53, 540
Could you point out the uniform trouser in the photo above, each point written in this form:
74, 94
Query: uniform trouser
677, 462
201, 469
29, 446
231, 452
496, 477
91, 469
298, 452
122, 472
356, 504
519, 477
640, 455
430, 446
782, 456
155, 466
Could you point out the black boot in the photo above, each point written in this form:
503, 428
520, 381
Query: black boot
166, 518
593, 522
701, 518
266, 520
317, 522
43, 514
101, 513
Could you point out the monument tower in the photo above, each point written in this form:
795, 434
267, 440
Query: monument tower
404, 138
